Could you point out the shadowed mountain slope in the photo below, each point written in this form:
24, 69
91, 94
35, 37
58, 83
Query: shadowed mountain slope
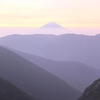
74, 73
32, 79
69, 47
92, 92
10, 92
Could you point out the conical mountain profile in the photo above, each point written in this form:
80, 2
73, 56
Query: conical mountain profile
52, 25
51, 28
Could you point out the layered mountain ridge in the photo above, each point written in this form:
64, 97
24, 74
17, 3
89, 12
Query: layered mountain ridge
69, 47
74, 73
34, 80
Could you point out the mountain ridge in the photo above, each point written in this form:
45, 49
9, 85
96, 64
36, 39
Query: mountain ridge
34, 80
67, 47
10, 92
65, 70
92, 92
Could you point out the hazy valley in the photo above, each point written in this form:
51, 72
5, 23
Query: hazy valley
48, 67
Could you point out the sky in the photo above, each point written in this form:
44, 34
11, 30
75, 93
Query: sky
36, 13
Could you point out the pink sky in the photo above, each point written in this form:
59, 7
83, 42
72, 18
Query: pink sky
78, 16
86, 31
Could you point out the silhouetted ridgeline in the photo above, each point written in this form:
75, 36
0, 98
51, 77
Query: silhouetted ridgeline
74, 73
92, 92
76, 61
68, 47
10, 92
34, 80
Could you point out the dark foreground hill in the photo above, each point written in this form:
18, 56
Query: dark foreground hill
34, 80
74, 73
67, 47
92, 92
10, 92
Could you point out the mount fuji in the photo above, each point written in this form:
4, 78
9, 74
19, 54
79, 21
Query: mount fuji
52, 25
51, 28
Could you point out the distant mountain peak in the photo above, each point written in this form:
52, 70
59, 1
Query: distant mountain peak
51, 28
52, 25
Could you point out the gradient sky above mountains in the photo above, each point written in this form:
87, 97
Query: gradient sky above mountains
36, 13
